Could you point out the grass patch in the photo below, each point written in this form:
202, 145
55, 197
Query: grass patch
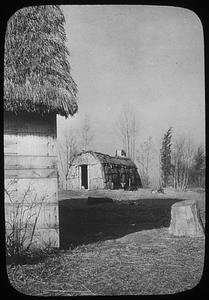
119, 248
147, 262
83, 224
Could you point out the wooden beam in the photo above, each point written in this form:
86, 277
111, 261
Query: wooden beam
21, 162
31, 173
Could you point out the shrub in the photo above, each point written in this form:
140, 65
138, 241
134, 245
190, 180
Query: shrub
21, 222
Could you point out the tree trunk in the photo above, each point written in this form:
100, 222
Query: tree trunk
185, 220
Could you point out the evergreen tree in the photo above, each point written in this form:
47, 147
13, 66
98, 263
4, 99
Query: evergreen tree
165, 157
197, 173
199, 159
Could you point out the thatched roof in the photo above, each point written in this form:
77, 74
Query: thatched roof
37, 74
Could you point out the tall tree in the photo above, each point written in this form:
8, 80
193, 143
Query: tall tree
145, 159
197, 174
127, 129
36, 67
86, 134
182, 161
199, 159
165, 157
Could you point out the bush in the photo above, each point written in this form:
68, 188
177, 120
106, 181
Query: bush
21, 222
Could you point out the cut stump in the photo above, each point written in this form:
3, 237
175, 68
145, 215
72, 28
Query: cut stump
185, 219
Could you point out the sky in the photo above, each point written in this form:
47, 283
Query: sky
149, 57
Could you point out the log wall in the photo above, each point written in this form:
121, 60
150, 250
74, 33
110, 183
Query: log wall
30, 170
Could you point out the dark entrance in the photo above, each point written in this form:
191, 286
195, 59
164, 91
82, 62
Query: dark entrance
84, 176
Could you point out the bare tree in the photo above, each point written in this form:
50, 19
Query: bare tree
182, 160
197, 175
127, 129
144, 159
67, 149
86, 134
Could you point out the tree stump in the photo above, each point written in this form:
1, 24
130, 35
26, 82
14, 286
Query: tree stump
185, 219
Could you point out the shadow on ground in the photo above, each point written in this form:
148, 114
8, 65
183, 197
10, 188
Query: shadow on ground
83, 222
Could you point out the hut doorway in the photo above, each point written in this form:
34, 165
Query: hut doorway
84, 176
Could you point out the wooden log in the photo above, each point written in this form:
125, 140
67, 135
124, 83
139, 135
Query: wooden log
185, 219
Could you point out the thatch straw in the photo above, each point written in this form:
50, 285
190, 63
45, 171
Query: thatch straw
37, 74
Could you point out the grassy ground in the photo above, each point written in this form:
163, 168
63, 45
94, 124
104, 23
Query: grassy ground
118, 248
129, 212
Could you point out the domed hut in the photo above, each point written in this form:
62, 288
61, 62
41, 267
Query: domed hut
37, 87
93, 170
